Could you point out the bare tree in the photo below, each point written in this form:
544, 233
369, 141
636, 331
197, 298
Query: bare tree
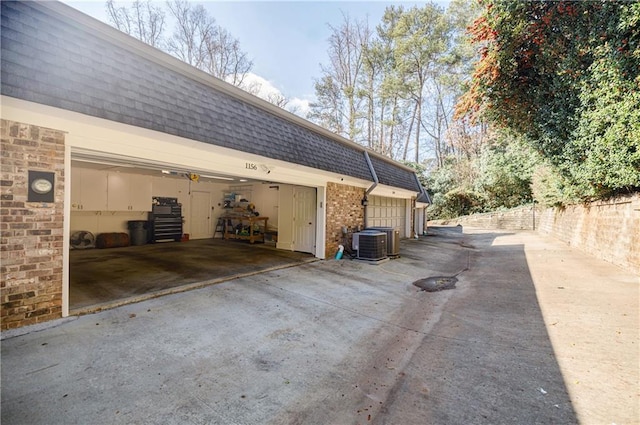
394, 90
466, 140
278, 100
339, 85
256, 88
193, 27
437, 121
196, 38
142, 20
199, 41
224, 58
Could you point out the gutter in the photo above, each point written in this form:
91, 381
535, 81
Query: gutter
365, 201
422, 192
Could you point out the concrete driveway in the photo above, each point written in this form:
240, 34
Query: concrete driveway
533, 333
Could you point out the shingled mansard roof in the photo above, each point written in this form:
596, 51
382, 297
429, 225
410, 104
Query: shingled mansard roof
57, 56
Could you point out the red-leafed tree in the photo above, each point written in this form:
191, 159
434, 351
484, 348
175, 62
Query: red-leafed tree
533, 56
540, 63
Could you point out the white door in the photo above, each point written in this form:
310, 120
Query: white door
304, 219
200, 225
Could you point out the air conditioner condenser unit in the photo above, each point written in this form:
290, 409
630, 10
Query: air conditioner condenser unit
393, 240
370, 245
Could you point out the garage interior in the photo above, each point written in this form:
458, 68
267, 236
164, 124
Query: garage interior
107, 197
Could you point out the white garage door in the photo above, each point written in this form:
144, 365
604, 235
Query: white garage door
387, 212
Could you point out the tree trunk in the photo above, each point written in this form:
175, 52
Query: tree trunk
406, 143
419, 115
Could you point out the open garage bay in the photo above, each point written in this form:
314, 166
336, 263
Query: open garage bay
103, 278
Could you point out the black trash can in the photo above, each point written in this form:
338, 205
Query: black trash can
138, 232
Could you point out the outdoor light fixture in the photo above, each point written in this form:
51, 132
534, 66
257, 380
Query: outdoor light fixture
364, 201
265, 168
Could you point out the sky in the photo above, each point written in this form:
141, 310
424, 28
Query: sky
286, 40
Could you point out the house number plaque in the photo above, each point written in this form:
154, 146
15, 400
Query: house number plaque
41, 186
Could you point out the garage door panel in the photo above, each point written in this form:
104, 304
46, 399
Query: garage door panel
387, 212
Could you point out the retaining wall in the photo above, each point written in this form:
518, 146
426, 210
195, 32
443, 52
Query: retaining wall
520, 218
609, 230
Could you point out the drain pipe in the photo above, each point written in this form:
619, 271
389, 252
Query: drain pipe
422, 191
365, 201
424, 213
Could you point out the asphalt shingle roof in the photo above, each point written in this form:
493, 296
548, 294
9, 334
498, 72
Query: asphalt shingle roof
53, 60
394, 176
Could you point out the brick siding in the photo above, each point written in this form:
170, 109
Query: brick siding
31, 232
343, 208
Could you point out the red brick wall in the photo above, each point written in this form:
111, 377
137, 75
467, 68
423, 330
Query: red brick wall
31, 232
344, 208
609, 230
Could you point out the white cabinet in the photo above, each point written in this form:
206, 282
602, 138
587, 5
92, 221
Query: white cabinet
118, 189
129, 192
140, 190
88, 190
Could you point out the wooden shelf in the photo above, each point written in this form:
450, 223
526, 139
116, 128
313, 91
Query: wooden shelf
230, 231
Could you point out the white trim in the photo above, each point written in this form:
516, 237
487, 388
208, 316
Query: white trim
90, 136
66, 229
392, 192
321, 221
408, 223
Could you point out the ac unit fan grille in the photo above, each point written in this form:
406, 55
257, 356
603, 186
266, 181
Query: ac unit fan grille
393, 239
371, 245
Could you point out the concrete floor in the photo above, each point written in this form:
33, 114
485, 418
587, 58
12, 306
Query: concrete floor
533, 333
104, 278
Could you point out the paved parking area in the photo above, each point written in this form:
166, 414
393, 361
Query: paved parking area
533, 332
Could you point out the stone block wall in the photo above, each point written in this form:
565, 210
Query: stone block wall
609, 230
31, 235
343, 208
520, 218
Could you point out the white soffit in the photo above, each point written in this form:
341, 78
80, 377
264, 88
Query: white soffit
98, 140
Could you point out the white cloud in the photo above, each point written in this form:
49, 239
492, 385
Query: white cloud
299, 106
259, 86
265, 89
